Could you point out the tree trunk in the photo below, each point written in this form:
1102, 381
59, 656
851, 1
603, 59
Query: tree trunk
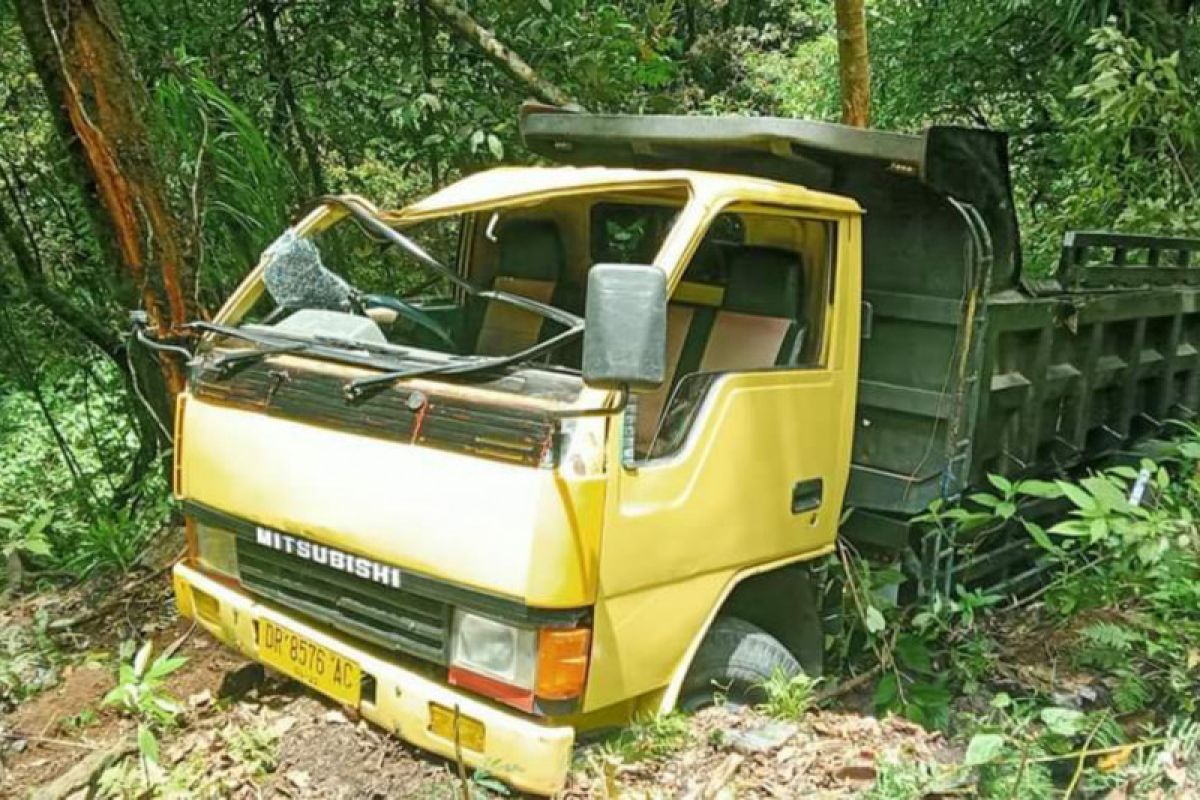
279, 68
498, 52
426, 33
854, 70
101, 110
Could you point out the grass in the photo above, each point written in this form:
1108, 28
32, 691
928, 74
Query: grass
649, 738
788, 697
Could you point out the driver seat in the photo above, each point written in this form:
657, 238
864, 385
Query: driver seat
531, 258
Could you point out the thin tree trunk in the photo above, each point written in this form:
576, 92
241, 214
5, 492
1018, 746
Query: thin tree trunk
279, 68
101, 109
854, 70
498, 52
426, 33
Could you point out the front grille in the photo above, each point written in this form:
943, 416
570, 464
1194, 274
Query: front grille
395, 619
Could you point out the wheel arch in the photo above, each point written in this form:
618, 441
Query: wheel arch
754, 587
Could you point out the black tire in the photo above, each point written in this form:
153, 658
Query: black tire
733, 661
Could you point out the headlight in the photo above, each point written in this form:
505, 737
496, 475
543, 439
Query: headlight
216, 549
507, 653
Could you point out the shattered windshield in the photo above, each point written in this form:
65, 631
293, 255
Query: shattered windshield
507, 284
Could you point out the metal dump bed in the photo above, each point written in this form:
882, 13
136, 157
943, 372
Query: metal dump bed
969, 368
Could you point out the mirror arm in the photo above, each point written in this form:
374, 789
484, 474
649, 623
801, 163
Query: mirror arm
603, 411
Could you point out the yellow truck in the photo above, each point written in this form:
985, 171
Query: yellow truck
558, 446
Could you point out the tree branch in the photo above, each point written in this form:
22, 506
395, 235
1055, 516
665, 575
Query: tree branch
29, 268
499, 53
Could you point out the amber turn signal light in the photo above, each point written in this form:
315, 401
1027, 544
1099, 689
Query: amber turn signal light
562, 662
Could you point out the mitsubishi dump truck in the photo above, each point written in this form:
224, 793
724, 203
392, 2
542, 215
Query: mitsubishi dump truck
557, 446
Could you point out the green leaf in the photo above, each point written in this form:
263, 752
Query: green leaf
37, 545
494, 145
984, 499
886, 691
147, 744
142, 659
1072, 527
39, 524
1082, 500
930, 695
1106, 493
163, 667
168, 706
1044, 489
874, 620
913, 654
1063, 721
1038, 534
984, 749
1001, 483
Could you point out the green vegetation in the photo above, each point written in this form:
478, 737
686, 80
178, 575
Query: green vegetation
140, 694
649, 738
370, 97
788, 697
379, 98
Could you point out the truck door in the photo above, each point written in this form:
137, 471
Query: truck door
742, 457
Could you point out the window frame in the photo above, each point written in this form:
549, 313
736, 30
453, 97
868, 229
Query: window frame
714, 378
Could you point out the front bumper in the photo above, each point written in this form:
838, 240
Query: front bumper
529, 755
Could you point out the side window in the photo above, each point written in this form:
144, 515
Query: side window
755, 296
628, 233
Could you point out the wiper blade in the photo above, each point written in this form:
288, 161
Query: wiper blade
225, 363
355, 389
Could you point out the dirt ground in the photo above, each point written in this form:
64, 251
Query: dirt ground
246, 733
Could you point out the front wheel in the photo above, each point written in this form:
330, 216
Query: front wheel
733, 662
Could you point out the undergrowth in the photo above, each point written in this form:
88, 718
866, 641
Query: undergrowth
1116, 616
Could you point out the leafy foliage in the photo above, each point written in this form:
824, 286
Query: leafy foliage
140, 693
788, 697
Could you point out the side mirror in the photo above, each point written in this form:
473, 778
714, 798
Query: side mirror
625, 333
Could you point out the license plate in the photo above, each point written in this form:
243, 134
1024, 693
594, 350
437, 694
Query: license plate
310, 663
471, 732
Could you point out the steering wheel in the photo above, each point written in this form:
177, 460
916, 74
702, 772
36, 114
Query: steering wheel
412, 314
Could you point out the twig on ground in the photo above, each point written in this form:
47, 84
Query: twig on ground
174, 646
85, 773
847, 686
18, 736
1083, 754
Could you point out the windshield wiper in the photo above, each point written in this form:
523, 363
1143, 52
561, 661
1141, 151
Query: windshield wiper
357, 388
225, 362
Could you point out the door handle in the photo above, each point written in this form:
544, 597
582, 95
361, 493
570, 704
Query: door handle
806, 495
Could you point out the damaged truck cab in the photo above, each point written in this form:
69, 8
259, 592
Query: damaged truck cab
487, 554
